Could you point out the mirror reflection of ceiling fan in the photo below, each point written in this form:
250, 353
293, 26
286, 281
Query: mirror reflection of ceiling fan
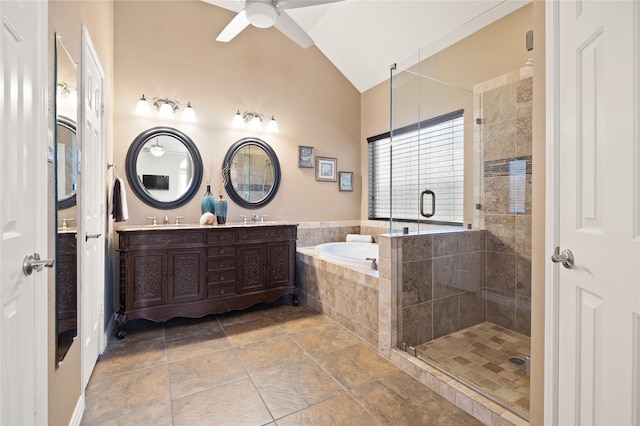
264, 14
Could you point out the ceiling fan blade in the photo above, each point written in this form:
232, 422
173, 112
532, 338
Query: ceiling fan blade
294, 4
291, 29
233, 5
233, 28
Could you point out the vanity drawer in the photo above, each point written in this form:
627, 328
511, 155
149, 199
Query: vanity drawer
220, 251
219, 277
267, 233
217, 236
221, 290
216, 264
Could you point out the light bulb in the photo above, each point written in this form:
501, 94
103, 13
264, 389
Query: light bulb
238, 121
256, 123
188, 114
166, 111
261, 14
143, 107
157, 150
272, 126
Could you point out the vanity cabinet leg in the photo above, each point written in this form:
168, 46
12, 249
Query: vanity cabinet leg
121, 321
295, 301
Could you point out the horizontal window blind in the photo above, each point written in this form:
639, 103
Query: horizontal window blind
426, 155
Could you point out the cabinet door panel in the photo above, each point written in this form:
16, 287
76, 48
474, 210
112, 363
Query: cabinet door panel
147, 275
186, 278
250, 264
280, 268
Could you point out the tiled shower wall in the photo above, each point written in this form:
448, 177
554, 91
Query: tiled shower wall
442, 278
503, 148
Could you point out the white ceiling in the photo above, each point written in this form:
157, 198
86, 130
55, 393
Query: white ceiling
363, 38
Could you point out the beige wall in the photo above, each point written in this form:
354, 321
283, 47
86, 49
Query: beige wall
168, 49
489, 52
66, 18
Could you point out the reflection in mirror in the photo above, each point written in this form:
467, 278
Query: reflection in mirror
66, 162
66, 174
252, 173
164, 167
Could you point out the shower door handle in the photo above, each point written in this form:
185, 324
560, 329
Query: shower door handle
433, 203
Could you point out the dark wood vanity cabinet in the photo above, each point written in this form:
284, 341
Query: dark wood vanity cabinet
166, 273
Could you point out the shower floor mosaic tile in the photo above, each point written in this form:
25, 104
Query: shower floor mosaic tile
479, 355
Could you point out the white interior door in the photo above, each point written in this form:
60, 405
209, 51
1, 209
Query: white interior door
92, 208
595, 96
23, 212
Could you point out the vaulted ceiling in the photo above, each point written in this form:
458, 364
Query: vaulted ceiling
363, 38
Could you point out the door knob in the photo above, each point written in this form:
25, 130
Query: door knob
32, 263
566, 258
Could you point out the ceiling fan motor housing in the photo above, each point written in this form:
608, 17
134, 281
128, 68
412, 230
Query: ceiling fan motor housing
261, 13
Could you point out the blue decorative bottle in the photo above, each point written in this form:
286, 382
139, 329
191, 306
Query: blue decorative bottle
208, 204
221, 211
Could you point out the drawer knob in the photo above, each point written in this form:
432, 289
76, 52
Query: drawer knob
221, 251
221, 237
221, 277
222, 291
221, 264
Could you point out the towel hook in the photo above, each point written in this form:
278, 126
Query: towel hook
115, 169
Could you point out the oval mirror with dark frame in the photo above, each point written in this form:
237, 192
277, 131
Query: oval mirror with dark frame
164, 167
66, 179
66, 162
252, 173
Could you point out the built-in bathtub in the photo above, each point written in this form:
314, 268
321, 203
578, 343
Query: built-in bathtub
355, 254
341, 286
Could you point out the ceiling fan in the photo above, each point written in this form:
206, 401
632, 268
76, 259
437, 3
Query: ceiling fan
264, 14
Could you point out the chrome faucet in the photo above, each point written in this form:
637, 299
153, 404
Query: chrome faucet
178, 219
65, 222
165, 221
254, 218
154, 220
244, 219
374, 263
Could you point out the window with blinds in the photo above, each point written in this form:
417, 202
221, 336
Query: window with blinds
426, 155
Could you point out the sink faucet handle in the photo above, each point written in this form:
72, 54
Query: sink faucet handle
262, 216
65, 221
154, 220
244, 218
165, 220
178, 219
254, 218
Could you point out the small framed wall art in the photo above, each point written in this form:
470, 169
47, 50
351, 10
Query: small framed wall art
346, 181
305, 156
326, 169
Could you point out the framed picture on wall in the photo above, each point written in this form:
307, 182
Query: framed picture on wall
305, 156
326, 169
346, 181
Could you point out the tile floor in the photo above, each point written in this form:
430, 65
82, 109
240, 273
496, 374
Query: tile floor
479, 355
271, 365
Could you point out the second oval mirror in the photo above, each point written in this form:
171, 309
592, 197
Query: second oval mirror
252, 173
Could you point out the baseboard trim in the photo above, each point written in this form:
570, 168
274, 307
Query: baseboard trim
76, 418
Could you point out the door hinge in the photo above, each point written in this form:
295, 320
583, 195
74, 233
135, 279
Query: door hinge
102, 109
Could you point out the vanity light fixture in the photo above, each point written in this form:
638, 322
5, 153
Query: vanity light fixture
167, 108
157, 150
254, 121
